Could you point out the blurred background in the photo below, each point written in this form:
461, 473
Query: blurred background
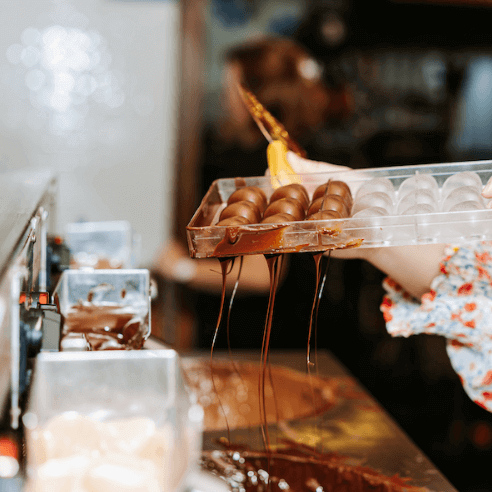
129, 102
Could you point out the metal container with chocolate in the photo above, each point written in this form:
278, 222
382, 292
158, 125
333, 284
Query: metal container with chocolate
109, 308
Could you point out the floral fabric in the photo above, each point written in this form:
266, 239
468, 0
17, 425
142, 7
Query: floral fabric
458, 307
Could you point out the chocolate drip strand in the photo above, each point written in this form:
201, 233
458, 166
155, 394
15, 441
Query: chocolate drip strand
224, 263
272, 261
231, 301
270, 376
320, 294
317, 260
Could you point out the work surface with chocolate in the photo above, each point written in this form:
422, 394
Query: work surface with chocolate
351, 445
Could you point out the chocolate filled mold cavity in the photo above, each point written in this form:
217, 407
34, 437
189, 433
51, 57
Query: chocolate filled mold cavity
329, 202
325, 215
245, 209
252, 194
334, 187
294, 190
286, 205
278, 219
233, 221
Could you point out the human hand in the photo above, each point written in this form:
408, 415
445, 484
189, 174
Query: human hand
304, 166
487, 192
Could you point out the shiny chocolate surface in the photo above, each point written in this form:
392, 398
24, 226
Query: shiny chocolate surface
334, 187
235, 220
294, 190
106, 327
325, 215
278, 219
286, 205
329, 202
244, 209
252, 194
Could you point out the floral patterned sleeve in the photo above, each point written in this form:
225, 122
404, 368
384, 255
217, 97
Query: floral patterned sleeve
458, 307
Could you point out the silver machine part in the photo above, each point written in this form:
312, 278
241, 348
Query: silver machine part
27, 209
27, 202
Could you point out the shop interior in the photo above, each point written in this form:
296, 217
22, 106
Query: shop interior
135, 127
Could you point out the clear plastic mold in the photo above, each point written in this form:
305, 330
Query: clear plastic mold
465, 178
462, 195
415, 198
378, 199
466, 218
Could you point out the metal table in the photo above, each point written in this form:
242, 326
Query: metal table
356, 427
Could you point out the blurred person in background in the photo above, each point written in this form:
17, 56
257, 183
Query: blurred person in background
288, 81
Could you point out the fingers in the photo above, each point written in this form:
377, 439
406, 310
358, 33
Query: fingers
487, 192
304, 166
487, 189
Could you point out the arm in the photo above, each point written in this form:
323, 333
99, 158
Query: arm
458, 309
413, 267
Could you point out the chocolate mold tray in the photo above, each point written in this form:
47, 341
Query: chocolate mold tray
431, 203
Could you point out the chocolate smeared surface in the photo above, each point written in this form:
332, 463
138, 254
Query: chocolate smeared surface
237, 389
297, 468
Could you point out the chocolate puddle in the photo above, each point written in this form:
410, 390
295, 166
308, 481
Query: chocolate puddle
106, 327
296, 469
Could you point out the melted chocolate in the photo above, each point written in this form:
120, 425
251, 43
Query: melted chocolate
224, 265
106, 327
237, 392
296, 468
274, 270
287, 205
243, 240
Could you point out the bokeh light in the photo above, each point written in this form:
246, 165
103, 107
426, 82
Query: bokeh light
65, 69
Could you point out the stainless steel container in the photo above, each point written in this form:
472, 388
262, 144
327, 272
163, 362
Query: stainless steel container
106, 244
95, 294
